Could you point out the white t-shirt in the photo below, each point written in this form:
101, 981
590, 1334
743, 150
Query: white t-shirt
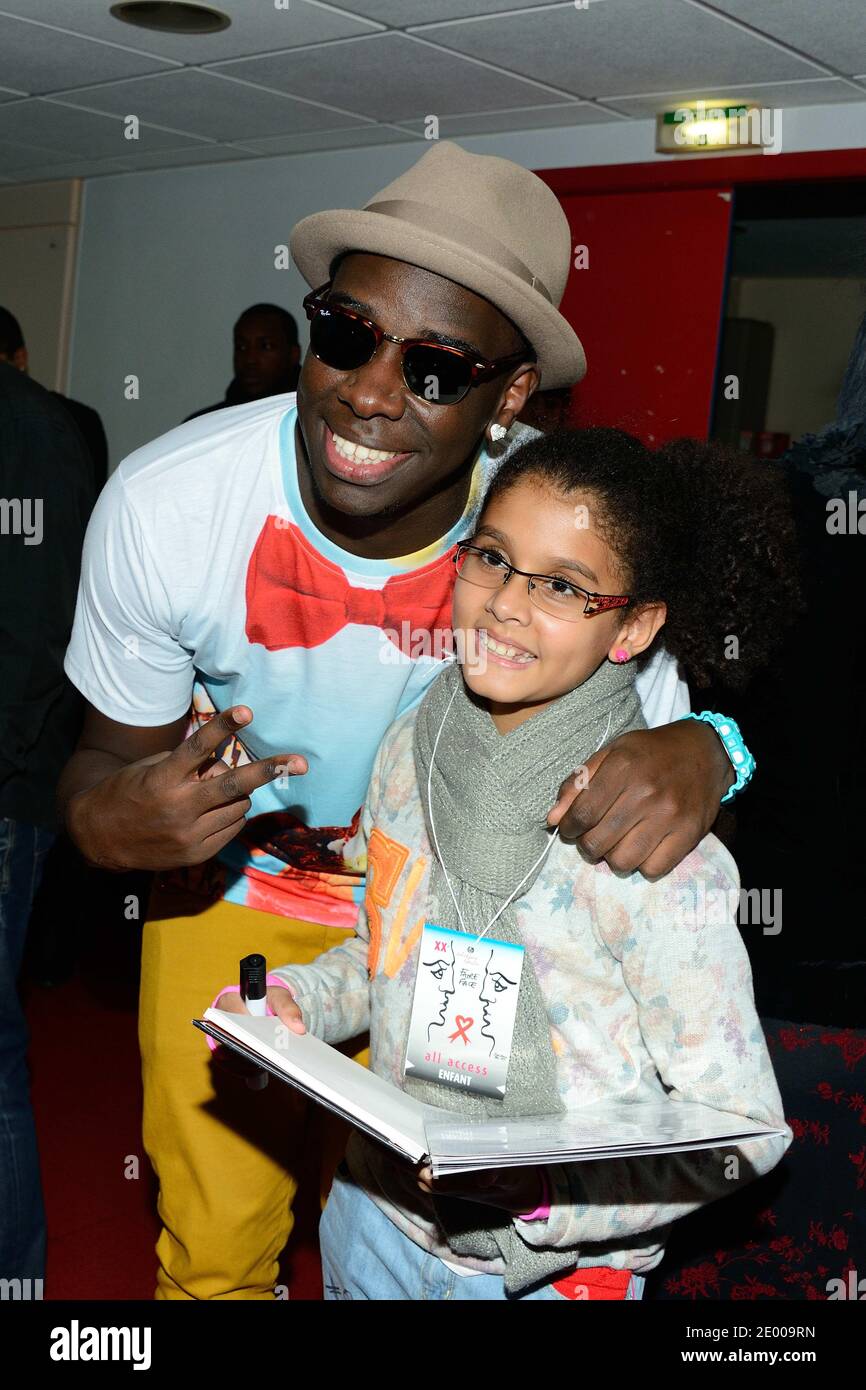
205, 584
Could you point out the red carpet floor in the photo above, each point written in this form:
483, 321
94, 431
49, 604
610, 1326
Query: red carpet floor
102, 1225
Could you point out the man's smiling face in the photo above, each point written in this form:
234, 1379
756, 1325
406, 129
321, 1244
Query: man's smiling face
427, 444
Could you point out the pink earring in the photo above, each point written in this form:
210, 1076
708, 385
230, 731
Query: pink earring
621, 654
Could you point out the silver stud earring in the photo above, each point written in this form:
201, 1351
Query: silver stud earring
497, 432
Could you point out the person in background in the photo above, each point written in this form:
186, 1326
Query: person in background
52, 941
804, 974
47, 497
14, 351
266, 357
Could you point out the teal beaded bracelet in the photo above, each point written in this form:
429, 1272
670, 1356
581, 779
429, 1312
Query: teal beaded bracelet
728, 731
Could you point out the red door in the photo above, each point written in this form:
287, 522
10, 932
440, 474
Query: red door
645, 295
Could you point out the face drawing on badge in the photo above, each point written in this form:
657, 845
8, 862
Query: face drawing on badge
442, 971
493, 986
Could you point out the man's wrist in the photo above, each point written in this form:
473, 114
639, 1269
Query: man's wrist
86, 770
736, 763
73, 814
727, 775
78, 822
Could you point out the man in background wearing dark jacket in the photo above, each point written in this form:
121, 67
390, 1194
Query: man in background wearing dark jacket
14, 351
266, 357
46, 496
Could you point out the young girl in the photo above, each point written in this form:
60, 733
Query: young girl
590, 984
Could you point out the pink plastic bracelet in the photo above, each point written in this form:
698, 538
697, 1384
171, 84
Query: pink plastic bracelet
236, 989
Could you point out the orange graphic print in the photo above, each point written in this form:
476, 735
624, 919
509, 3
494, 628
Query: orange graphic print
386, 860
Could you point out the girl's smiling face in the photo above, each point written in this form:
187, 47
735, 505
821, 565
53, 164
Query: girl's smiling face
535, 528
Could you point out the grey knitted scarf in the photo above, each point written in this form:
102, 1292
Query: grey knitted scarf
491, 794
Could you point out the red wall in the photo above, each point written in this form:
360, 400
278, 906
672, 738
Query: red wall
647, 306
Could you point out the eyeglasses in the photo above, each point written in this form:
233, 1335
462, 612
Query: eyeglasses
442, 375
559, 597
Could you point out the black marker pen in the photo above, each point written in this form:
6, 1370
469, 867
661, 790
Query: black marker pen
254, 993
254, 989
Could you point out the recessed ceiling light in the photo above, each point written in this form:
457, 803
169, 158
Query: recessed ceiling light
171, 16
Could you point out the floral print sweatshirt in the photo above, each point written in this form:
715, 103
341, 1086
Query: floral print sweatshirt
648, 992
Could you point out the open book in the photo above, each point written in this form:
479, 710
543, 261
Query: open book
456, 1143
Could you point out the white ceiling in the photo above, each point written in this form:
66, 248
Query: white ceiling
317, 76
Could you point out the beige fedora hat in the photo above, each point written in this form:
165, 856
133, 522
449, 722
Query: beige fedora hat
481, 221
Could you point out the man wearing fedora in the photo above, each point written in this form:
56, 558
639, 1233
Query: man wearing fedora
286, 565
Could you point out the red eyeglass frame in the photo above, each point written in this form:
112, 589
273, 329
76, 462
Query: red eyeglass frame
593, 603
482, 368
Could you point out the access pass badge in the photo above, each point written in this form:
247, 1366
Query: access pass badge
463, 1011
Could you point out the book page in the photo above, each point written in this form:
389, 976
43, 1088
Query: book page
329, 1076
607, 1129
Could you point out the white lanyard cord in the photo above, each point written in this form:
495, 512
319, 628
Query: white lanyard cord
545, 851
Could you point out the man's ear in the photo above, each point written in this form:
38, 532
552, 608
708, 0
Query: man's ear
20, 359
639, 631
523, 384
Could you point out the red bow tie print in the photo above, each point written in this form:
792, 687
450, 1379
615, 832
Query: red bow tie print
297, 599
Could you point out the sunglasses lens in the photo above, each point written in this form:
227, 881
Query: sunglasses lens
437, 376
340, 341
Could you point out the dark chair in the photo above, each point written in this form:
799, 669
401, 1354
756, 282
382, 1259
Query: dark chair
791, 1233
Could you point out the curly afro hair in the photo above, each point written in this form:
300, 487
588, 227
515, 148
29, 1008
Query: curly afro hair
704, 529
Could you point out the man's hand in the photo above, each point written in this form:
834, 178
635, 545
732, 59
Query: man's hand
516, 1190
652, 795
167, 810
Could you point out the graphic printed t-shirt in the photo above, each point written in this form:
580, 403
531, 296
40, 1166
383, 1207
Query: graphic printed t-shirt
205, 584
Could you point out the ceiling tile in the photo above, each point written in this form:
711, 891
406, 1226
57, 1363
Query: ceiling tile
626, 46
331, 140
208, 105
399, 13
72, 132
35, 59
834, 33
389, 77
192, 154
528, 118
823, 91
18, 156
257, 26
82, 168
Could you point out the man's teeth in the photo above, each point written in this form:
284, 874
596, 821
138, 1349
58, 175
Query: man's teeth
501, 650
359, 453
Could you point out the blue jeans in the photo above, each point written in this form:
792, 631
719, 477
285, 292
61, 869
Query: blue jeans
22, 1219
364, 1255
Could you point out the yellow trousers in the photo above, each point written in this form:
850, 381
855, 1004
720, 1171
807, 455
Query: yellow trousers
226, 1157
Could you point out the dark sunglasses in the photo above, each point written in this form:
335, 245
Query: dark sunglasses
442, 375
